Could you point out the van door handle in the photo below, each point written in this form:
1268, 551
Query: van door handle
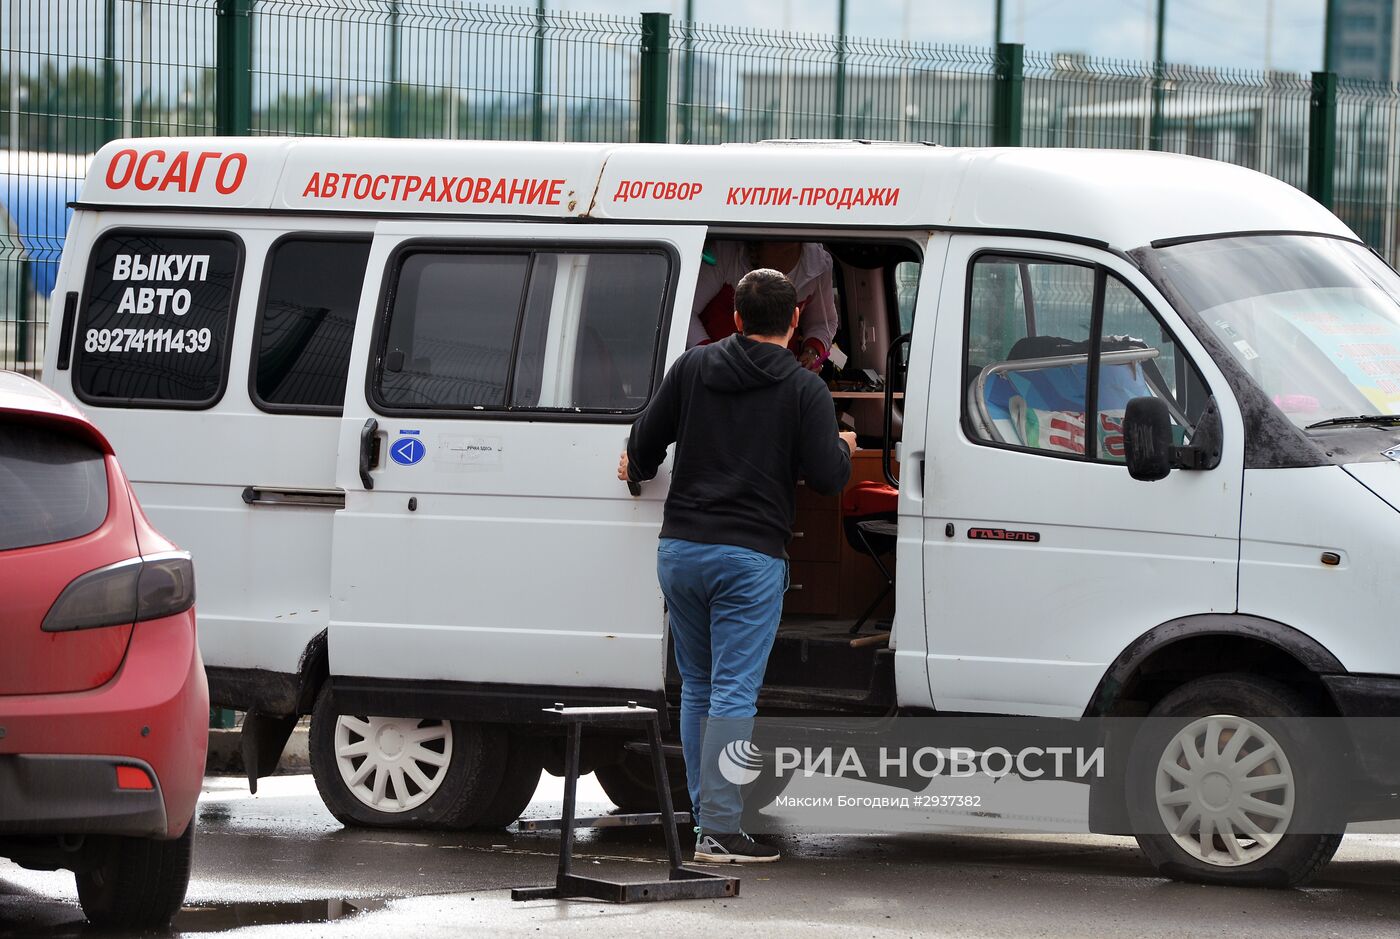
273, 495
369, 451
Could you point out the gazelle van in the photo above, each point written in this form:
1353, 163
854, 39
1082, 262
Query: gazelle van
1140, 410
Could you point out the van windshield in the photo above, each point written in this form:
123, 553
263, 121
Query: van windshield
1315, 321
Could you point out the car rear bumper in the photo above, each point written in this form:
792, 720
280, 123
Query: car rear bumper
76, 795
154, 713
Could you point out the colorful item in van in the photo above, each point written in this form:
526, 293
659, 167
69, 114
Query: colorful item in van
1362, 344
1044, 408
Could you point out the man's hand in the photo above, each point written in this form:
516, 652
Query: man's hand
810, 359
847, 436
622, 466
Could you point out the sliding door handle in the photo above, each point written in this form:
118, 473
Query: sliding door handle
369, 451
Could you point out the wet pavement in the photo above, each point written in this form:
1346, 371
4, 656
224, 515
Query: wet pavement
277, 864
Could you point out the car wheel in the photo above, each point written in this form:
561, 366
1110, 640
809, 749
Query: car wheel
134, 883
632, 787
523, 765
1225, 789
397, 772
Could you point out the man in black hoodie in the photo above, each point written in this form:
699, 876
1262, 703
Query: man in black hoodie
747, 422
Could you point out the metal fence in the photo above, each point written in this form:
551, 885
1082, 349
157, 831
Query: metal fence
76, 73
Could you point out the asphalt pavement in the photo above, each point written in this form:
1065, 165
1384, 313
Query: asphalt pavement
277, 864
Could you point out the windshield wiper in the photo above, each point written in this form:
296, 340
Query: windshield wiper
1357, 419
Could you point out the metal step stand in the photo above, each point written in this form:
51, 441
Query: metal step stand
683, 883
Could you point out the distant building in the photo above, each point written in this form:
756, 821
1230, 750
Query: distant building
1362, 34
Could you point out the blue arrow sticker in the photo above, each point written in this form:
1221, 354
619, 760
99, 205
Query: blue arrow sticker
407, 451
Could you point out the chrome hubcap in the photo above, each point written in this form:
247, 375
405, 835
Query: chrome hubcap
392, 764
1225, 790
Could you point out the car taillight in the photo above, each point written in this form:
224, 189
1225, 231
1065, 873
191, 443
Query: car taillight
129, 591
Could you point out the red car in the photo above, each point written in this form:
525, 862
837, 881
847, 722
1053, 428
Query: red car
104, 709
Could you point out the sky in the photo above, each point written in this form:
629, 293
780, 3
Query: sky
1224, 33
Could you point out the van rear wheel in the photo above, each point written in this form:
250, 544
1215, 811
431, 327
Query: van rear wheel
631, 785
523, 765
395, 772
1226, 786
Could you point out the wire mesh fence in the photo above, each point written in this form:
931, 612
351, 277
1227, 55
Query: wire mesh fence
77, 73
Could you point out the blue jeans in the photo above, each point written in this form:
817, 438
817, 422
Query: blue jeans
724, 603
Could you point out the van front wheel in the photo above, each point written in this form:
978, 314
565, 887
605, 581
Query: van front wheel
396, 772
1227, 785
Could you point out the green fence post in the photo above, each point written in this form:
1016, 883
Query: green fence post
652, 103
393, 101
1006, 103
688, 77
111, 118
234, 68
1154, 131
1322, 137
838, 106
537, 98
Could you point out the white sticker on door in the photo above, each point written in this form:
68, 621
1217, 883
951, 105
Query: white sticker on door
454, 450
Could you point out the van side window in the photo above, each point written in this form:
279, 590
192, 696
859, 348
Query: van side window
529, 331
1138, 358
306, 321
906, 289
1026, 359
1030, 354
156, 318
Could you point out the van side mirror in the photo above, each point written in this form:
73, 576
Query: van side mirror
1147, 438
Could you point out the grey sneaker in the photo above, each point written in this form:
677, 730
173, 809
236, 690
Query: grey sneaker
737, 848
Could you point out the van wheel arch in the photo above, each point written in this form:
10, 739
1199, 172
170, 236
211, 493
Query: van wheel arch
312, 671
1165, 656
1168, 656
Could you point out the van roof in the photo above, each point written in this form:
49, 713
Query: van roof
1124, 199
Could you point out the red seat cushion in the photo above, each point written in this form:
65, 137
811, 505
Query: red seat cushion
870, 498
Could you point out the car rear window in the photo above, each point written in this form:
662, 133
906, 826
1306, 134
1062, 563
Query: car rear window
156, 320
53, 486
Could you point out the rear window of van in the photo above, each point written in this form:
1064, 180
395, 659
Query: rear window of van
157, 317
53, 486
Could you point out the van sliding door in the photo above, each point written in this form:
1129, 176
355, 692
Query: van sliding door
485, 537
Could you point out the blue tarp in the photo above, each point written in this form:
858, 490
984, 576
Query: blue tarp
36, 204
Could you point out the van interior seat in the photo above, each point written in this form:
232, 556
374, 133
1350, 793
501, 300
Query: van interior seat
1044, 407
448, 375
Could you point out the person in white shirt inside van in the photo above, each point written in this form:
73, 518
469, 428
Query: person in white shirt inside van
808, 267
722, 560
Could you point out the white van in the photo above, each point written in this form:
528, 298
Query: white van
379, 389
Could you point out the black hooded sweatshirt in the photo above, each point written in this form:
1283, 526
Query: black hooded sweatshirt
747, 422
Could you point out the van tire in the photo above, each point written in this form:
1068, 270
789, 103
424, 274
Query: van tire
134, 883
1311, 830
523, 765
469, 782
630, 784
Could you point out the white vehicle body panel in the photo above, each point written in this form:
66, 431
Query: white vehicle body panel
528, 562
190, 468
1291, 516
1024, 628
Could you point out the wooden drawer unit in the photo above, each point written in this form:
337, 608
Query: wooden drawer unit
816, 536
814, 588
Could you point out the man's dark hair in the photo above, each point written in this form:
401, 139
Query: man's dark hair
765, 300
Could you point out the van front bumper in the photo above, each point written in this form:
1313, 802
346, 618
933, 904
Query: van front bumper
1371, 706
49, 794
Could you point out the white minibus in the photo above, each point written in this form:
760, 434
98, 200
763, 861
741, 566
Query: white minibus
1140, 411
